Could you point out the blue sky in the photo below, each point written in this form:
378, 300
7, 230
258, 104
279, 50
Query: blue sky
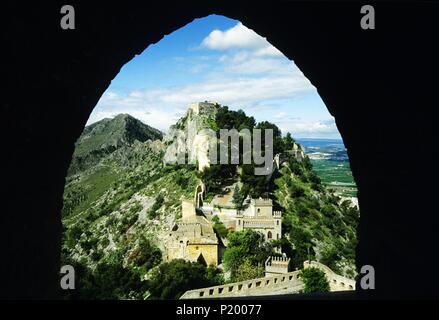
217, 59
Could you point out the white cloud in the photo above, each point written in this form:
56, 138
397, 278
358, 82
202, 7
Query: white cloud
254, 65
280, 115
238, 36
315, 129
268, 51
256, 77
161, 108
158, 107
198, 68
139, 105
238, 91
255, 54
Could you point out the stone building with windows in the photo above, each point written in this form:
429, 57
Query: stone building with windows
260, 217
192, 239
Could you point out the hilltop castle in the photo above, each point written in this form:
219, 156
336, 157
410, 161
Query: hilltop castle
206, 106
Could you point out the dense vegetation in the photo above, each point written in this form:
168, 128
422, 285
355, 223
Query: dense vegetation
218, 176
120, 200
317, 224
245, 255
110, 279
114, 211
314, 280
171, 279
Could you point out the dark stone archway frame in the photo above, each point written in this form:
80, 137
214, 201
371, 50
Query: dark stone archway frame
377, 84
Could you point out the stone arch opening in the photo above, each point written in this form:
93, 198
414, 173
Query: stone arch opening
327, 45
296, 149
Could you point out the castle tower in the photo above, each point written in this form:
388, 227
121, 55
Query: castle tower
188, 210
277, 217
276, 265
198, 107
261, 207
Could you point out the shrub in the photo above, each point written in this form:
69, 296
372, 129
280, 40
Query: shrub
221, 229
180, 179
215, 219
296, 191
171, 279
246, 244
152, 212
247, 271
314, 280
146, 255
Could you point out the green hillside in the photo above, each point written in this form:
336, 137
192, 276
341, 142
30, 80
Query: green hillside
105, 136
120, 201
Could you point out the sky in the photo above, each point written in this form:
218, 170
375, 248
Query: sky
216, 59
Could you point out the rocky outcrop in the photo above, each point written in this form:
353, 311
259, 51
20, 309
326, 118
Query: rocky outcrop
187, 141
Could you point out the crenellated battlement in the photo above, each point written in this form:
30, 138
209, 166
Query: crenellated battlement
276, 265
257, 224
275, 283
280, 284
261, 202
277, 261
277, 214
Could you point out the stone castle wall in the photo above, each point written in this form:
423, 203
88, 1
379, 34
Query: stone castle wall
198, 107
209, 252
336, 281
187, 210
281, 284
278, 284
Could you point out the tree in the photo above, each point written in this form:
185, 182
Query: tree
316, 182
217, 176
171, 279
314, 280
254, 185
109, 280
221, 229
216, 219
302, 246
145, 256
288, 142
113, 281
238, 197
247, 271
245, 245
296, 191
278, 143
152, 212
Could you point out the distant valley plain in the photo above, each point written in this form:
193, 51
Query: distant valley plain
330, 160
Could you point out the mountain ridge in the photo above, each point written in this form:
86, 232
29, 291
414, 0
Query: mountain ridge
107, 135
120, 206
